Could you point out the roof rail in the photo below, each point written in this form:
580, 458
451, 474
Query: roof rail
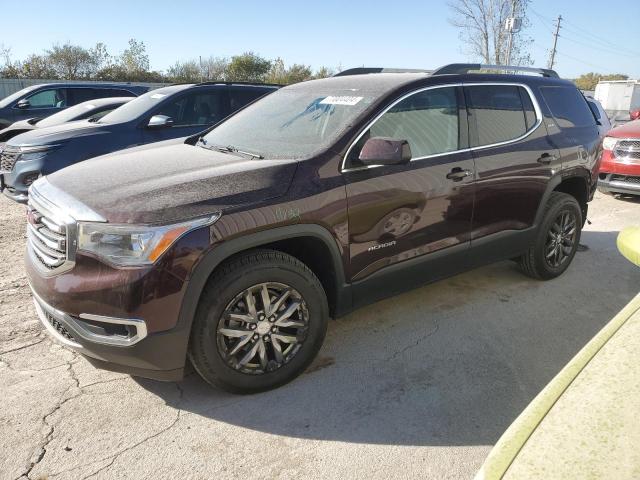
365, 70
462, 68
255, 84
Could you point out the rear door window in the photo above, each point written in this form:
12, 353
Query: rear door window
568, 107
499, 113
238, 98
79, 95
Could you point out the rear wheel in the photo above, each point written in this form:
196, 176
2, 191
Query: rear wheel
261, 320
557, 239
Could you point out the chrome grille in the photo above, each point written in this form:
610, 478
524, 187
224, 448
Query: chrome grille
8, 158
628, 149
625, 178
46, 236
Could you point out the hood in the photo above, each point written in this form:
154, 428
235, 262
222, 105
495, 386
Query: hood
16, 128
628, 130
171, 183
58, 133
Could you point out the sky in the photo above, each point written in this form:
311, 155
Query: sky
338, 34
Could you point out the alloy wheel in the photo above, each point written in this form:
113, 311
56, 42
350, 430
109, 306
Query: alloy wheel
262, 328
561, 239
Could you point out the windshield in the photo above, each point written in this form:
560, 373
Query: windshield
67, 115
291, 123
6, 101
135, 108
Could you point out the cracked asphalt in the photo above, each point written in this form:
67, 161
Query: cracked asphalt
417, 386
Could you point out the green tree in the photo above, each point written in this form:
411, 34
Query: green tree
324, 72
185, 72
588, 81
71, 62
298, 73
248, 67
135, 58
37, 66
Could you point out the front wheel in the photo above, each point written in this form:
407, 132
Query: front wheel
557, 239
261, 320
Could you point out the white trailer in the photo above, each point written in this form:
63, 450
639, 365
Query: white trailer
618, 97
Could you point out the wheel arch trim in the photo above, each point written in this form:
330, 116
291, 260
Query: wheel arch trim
211, 259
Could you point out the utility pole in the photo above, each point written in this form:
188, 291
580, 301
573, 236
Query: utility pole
552, 58
510, 27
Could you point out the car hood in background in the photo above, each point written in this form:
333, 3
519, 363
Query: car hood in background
59, 133
171, 183
628, 130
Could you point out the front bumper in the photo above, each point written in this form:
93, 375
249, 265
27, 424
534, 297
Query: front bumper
151, 356
15, 184
617, 183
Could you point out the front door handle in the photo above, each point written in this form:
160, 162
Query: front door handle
547, 158
456, 174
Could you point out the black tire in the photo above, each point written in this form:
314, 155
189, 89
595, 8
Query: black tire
534, 263
249, 270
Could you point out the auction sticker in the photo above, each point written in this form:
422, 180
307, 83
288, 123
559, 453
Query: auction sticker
343, 100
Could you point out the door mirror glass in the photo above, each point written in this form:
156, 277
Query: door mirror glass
385, 151
23, 104
160, 121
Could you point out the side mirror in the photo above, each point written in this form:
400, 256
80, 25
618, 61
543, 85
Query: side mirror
385, 151
160, 121
635, 114
23, 104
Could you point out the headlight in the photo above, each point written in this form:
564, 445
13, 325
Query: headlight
34, 152
129, 245
609, 143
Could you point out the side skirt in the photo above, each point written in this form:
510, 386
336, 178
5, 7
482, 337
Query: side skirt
415, 272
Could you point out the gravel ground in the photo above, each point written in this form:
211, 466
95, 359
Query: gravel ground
417, 386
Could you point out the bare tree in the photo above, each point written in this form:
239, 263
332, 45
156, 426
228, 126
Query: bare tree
482, 29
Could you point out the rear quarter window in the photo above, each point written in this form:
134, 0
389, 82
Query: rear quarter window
568, 107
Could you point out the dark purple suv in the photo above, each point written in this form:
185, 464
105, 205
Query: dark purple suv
233, 249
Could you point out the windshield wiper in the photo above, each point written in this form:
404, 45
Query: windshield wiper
227, 149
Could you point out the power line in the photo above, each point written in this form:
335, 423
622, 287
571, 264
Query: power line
578, 31
599, 47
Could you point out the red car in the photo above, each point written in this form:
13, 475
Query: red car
620, 167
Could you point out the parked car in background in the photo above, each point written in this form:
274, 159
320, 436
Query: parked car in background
620, 166
89, 110
604, 124
40, 101
584, 423
162, 114
619, 98
234, 247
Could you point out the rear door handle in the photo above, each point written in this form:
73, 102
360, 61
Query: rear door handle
547, 158
456, 174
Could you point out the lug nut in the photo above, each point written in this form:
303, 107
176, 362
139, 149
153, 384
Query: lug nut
261, 317
256, 336
272, 319
274, 329
266, 337
253, 326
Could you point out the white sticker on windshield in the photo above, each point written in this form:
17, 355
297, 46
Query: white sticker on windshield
343, 100
158, 95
